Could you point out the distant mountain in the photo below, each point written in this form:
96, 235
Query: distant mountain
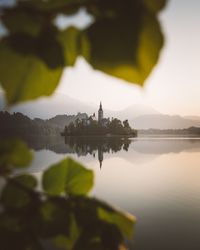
136, 111
192, 131
193, 117
45, 108
64, 109
160, 121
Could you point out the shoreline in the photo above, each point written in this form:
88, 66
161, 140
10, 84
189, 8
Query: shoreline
100, 136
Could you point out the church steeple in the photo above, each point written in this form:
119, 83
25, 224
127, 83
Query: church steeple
100, 106
100, 113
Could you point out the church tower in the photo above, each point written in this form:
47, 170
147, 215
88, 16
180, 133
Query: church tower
100, 113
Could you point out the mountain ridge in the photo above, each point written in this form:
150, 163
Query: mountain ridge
139, 116
162, 121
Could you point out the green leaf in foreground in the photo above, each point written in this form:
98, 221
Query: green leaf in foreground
155, 5
69, 242
19, 20
127, 47
69, 40
26, 181
16, 192
14, 153
67, 176
125, 222
124, 41
25, 76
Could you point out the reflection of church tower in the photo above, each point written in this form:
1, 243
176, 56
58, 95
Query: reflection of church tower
100, 113
100, 155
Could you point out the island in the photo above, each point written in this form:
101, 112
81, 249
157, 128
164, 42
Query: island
91, 126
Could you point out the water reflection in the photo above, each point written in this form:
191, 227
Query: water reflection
137, 151
156, 179
91, 149
97, 146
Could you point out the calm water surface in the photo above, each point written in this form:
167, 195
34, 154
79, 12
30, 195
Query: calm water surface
156, 179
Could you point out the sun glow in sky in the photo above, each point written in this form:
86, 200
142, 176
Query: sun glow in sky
174, 85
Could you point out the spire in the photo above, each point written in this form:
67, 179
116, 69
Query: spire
100, 106
100, 113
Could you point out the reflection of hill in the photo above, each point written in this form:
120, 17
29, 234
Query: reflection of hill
137, 151
165, 146
142, 151
140, 145
135, 157
88, 145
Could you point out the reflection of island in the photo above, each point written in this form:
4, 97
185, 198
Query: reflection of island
83, 146
49, 150
90, 126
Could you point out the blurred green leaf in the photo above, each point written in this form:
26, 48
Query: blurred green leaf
124, 41
14, 197
48, 210
69, 242
124, 222
54, 217
39, 46
150, 44
67, 176
75, 222
69, 39
51, 6
10, 222
14, 153
49, 48
18, 192
155, 5
19, 20
26, 181
25, 77
126, 47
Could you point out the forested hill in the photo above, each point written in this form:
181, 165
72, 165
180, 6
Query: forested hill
62, 120
21, 125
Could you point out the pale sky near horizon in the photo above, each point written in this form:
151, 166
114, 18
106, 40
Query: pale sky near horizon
174, 85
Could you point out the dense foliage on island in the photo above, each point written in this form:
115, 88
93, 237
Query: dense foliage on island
94, 128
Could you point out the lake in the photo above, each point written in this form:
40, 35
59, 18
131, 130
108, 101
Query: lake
156, 179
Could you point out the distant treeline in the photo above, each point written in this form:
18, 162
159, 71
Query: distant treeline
18, 124
195, 131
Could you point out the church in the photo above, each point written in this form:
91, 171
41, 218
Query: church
104, 122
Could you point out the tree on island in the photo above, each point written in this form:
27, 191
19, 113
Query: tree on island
94, 128
101, 127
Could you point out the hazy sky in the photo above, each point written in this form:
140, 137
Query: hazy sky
174, 85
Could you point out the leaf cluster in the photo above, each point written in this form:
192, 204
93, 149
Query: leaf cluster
61, 215
124, 41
